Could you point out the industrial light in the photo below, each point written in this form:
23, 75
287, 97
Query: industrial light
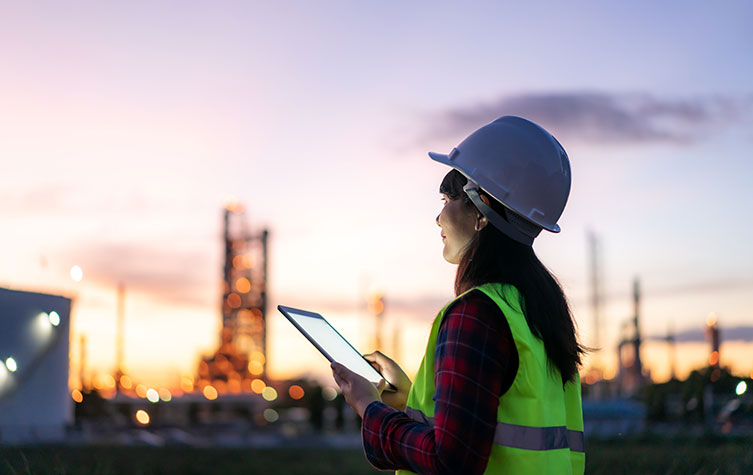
210, 392
741, 388
152, 395
43, 326
3, 374
76, 273
54, 318
329, 393
270, 415
10, 363
142, 416
269, 393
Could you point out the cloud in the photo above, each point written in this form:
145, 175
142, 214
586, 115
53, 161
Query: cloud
173, 274
742, 333
603, 118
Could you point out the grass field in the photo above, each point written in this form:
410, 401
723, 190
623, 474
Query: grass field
676, 456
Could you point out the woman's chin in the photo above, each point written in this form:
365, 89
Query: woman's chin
449, 257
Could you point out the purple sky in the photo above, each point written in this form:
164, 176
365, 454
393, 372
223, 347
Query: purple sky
125, 128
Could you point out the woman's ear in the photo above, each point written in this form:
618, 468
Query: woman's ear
481, 220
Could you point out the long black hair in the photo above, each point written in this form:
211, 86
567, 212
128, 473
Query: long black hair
491, 256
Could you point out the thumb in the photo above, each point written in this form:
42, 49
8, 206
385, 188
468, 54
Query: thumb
336, 367
382, 384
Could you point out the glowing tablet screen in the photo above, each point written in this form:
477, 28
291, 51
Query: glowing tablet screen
332, 345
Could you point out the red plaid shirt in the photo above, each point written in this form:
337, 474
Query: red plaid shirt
475, 363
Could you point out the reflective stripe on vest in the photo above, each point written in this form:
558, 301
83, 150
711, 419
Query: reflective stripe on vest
523, 437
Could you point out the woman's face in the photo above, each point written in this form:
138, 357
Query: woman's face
458, 223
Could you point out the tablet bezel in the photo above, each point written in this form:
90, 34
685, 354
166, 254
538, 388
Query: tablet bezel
284, 310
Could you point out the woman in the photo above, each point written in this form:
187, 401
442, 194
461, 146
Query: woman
498, 389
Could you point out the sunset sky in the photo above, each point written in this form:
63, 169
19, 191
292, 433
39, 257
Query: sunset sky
126, 127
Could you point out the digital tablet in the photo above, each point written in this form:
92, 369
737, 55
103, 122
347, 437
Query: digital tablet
332, 345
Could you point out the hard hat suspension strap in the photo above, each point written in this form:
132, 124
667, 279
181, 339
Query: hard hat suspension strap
472, 190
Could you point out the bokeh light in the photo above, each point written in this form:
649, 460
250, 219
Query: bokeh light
270, 415
126, 382
54, 318
258, 356
242, 285
257, 386
152, 395
76, 273
11, 364
296, 392
165, 395
269, 393
142, 416
234, 300
256, 368
141, 390
741, 388
186, 384
329, 393
210, 393
77, 396
109, 381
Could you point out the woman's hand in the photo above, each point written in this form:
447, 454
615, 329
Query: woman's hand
358, 391
390, 370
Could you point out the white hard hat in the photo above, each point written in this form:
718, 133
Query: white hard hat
522, 166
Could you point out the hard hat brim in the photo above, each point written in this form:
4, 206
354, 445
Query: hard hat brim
440, 157
446, 160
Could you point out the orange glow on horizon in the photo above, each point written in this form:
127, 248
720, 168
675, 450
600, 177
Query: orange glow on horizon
186, 384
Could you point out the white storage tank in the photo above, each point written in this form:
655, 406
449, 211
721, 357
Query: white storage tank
35, 402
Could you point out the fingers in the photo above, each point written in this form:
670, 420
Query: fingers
377, 357
338, 374
382, 384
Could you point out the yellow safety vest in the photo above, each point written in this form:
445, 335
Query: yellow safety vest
539, 422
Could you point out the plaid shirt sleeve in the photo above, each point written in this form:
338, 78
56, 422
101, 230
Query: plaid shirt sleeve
475, 363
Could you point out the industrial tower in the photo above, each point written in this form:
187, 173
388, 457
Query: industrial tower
241, 355
630, 377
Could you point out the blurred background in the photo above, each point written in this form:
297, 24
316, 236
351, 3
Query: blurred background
171, 172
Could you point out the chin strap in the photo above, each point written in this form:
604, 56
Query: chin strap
472, 190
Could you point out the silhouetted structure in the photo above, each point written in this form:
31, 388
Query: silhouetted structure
35, 402
241, 355
630, 377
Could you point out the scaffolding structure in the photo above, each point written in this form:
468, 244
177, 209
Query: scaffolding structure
241, 355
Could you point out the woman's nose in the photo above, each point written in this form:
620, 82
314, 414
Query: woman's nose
437, 220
